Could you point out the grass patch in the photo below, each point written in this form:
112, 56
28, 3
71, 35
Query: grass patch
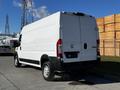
110, 58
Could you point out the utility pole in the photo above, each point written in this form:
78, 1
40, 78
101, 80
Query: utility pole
7, 27
24, 14
32, 16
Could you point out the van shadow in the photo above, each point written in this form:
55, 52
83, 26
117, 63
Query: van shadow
110, 67
105, 73
98, 75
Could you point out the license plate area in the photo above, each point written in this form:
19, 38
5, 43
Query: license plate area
71, 54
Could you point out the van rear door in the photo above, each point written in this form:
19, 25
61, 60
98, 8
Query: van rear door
88, 38
78, 38
70, 34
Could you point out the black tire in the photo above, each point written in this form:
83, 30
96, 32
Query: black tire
49, 73
16, 61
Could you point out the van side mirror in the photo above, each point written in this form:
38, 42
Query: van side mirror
20, 37
16, 43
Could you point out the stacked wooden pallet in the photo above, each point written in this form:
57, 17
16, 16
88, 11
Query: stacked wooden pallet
109, 33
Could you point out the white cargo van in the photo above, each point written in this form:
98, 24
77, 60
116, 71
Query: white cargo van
60, 42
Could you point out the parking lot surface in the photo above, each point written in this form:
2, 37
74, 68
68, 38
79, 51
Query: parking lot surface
30, 78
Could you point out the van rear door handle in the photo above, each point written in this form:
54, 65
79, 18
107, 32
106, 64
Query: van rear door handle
85, 45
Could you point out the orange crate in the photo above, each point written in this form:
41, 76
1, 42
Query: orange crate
109, 51
101, 43
101, 51
117, 26
109, 19
117, 17
102, 35
101, 28
118, 35
110, 35
109, 27
100, 21
117, 52
109, 43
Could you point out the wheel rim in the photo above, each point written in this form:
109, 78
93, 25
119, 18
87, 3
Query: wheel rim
46, 71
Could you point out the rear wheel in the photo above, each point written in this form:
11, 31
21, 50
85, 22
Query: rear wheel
16, 61
48, 71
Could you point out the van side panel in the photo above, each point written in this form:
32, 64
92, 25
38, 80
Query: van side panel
40, 38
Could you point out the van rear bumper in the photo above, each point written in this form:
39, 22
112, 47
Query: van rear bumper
76, 66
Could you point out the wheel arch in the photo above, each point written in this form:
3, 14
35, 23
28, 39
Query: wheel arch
53, 60
44, 58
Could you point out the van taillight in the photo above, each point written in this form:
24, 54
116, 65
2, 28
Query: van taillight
98, 50
59, 48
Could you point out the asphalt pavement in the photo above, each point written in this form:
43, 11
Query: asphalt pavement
30, 78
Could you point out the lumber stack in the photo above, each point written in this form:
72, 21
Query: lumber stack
109, 33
